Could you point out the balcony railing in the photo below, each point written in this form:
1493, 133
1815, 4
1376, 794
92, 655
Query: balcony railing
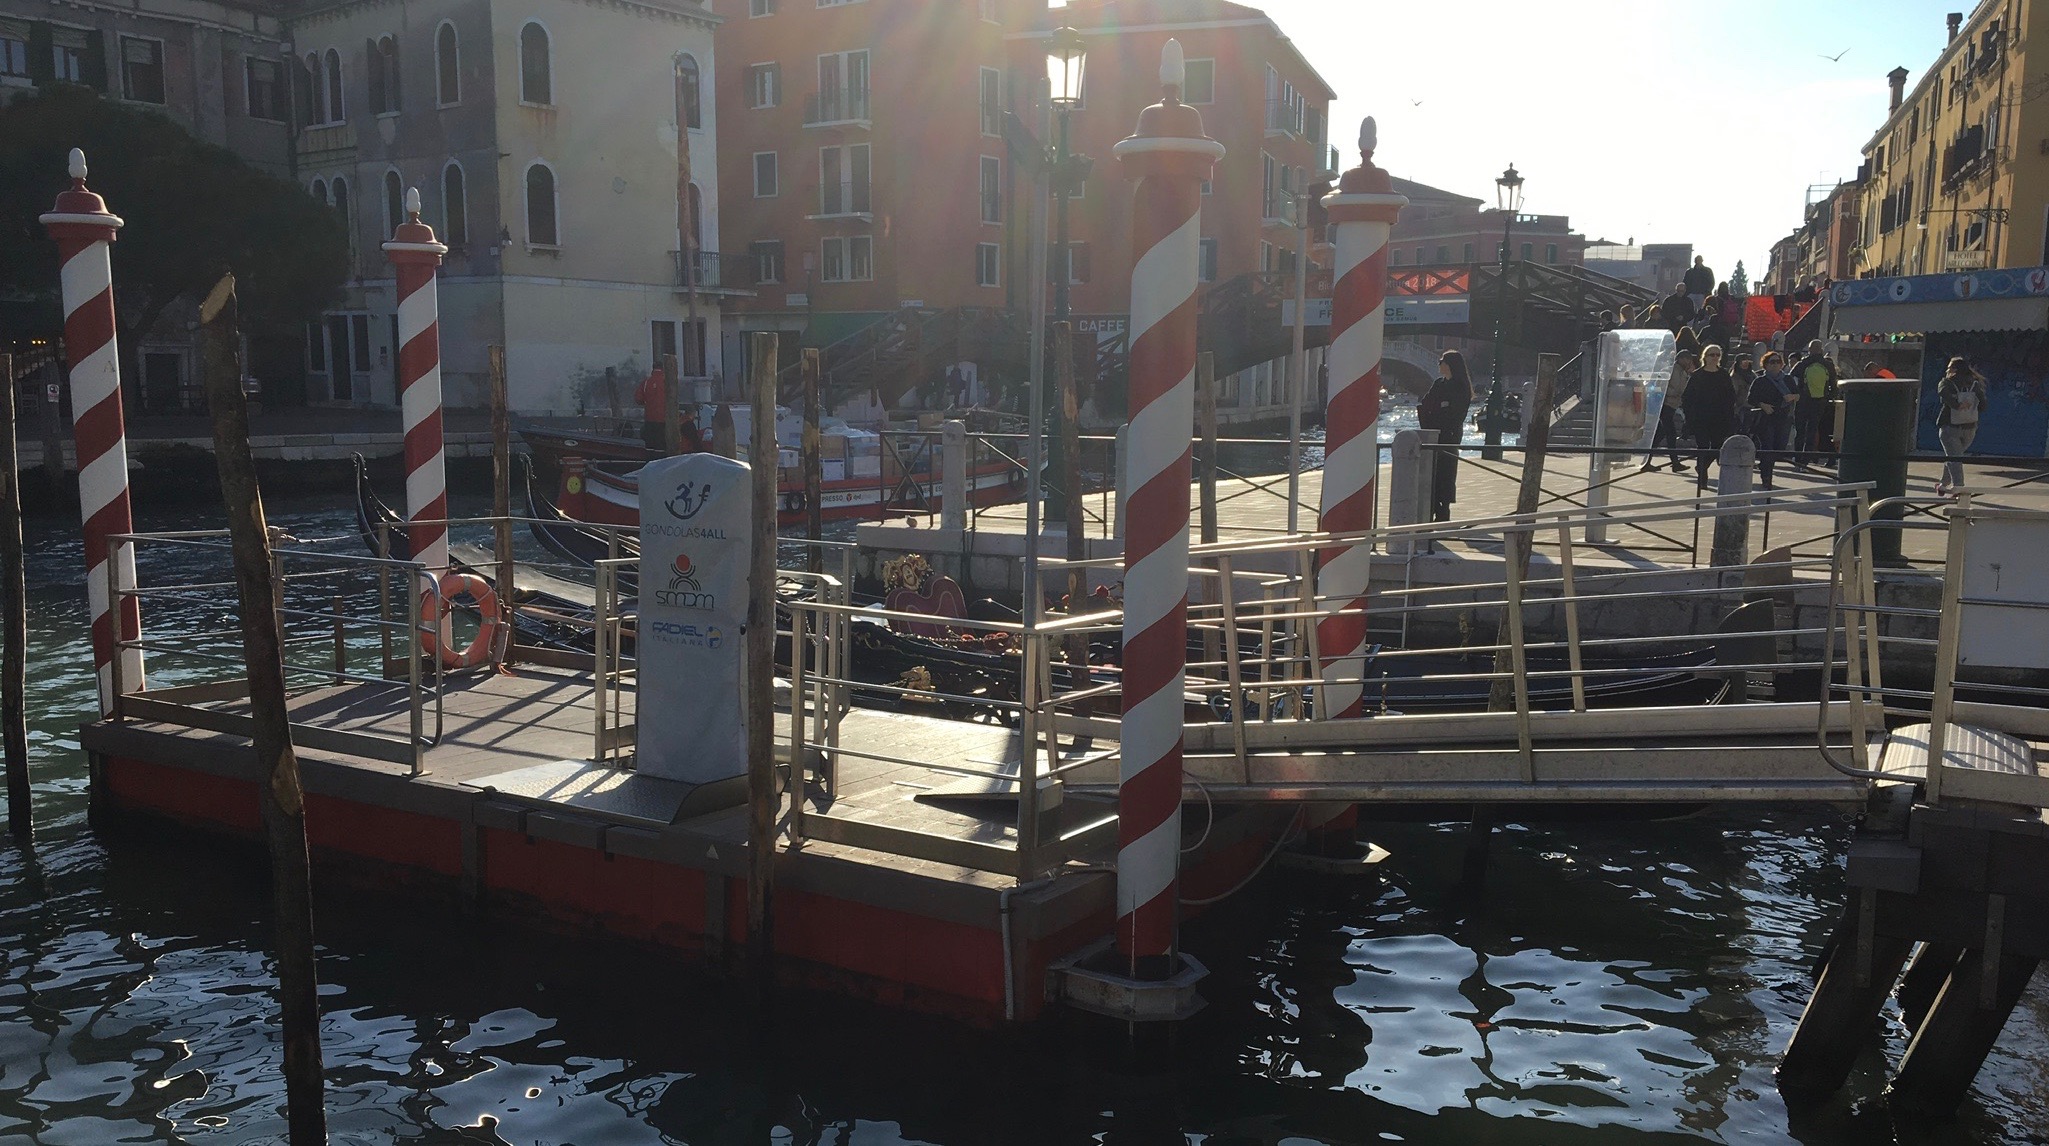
836, 106
1284, 117
710, 270
845, 197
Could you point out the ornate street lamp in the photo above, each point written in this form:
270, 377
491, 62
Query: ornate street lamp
1508, 195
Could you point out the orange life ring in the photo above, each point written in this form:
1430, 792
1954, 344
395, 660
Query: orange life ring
433, 610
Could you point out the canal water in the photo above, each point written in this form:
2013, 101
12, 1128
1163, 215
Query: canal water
1609, 984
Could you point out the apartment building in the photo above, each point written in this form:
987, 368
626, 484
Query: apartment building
1957, 175
865, 170
217, 69
542, 135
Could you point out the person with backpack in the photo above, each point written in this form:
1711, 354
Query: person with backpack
1962, 396
1815, 379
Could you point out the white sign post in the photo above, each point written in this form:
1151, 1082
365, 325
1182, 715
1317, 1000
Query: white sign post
696, 532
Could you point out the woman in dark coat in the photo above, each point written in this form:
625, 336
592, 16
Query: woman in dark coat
1443, 409
1710, 408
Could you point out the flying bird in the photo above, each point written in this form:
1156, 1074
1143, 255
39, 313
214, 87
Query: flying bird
1835, 59
1415, 103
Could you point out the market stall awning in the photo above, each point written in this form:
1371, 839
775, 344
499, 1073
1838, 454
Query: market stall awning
1928, 304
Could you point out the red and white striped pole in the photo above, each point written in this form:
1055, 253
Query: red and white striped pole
1169, 155
1363, 210
415, 253
83, 229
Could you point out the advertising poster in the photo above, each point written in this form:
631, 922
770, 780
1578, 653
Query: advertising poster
695, 536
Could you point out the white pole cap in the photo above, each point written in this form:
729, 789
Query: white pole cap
1173, 67
77, 164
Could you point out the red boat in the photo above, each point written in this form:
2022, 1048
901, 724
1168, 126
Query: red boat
864, 476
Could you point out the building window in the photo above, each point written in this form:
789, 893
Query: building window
455, 207
13, 54
263, 83
764, 85
1266, 258
348, 217
992, 102
447, 65
693, 96
1206, 262
331, 68
307, 92
766, 181
842, 87
696, 200
992, 189
1529, 252
536, 73
761, 7
988, 267
319, 190
383, 55
1078, 266
1200, 85
1444, 254
1551, 253
1270, 187
768, 260
142, 70
1466, 256
540, 206
394, 202
76, 56
989, 12
1394, 257
849, 259
843, 180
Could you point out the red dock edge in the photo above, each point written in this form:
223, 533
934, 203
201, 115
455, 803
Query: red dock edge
900, 933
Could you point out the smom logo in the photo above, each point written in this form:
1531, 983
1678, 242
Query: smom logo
683, 575
689, 501
684, 591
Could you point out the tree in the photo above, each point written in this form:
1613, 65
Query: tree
192, 211
1739, 279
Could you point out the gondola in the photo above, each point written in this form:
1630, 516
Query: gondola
575, 542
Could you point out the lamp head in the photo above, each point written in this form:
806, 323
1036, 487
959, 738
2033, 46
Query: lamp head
1066, 56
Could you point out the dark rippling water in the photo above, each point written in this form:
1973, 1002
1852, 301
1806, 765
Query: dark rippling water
1611, 984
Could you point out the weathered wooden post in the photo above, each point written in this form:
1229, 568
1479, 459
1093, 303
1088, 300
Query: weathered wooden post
1206, 446
1732, 510
1169, 156
1517, 543
953, 475
501, 495
1071, 511
14, 586
279, 793
814, 460
722, 432
762, 799
84, 230
53, 436
1363, 211
672, 407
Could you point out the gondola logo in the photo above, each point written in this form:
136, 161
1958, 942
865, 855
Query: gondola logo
684, 591
689, 501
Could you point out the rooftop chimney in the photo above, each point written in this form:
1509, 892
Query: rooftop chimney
1897, 78
1955, 20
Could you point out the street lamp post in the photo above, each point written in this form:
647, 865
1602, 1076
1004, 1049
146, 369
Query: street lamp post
1066, 57
1508, 195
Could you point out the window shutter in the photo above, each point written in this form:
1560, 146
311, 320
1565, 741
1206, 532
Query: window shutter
391, 77
94, 69
376, 77
42, 64
1084, 268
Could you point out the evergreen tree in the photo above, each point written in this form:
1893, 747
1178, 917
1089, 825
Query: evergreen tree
1739, 279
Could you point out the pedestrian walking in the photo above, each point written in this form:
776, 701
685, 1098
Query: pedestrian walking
1710, 408
1669, 417
1962, 395
1443, 409
1771, 401
1678, 308
1816, 378
1699, 280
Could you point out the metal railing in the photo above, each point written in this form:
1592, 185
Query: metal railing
709, 267
835, 105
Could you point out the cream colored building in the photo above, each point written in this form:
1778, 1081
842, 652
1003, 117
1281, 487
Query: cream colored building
542, 135
1958, 174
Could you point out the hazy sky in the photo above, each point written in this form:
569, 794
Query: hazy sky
1661, 120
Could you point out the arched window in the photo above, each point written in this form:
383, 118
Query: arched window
394, 202
692, 102
455, 208
383, 56
348, 219
320, 191
447, 61
540, 206
337, 109
307, 92
536, 78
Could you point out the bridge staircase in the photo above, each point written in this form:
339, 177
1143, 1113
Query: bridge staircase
909, 349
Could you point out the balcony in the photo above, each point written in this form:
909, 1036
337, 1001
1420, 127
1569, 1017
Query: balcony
837, 107
714, 275
1284, 119
846, 199
327, 143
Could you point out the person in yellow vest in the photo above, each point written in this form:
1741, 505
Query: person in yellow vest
1814, 382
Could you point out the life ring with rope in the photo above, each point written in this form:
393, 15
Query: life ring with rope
434, 610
